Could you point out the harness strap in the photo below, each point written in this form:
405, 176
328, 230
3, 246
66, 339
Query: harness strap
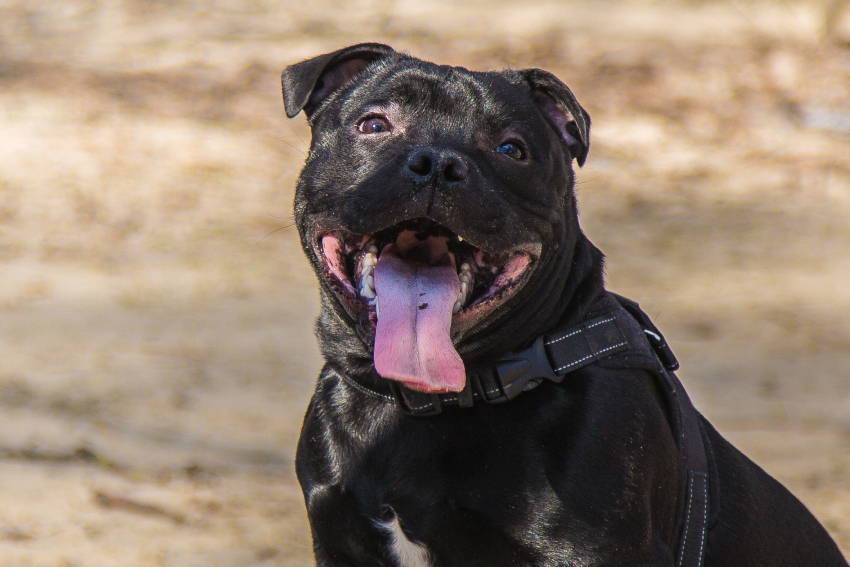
690, 440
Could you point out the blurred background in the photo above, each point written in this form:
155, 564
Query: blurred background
156, 347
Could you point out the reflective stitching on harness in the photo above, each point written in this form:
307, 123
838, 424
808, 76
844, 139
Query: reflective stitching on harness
568, 335
564, 337
704, 516
704, 479
450, 399
589, 356
600, 322
367, 391
428, 405
687, 522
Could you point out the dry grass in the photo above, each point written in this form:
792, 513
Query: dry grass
155, 311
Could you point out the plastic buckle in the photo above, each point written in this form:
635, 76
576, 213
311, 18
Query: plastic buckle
522, 371
662, 349
653, 335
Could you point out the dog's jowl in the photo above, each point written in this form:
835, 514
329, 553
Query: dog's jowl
485, 401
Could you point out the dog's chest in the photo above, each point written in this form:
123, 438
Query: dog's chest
471, 508
405, 552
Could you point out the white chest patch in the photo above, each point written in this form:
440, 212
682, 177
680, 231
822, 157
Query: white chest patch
405, 552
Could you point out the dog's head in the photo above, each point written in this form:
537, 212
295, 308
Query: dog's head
437, 208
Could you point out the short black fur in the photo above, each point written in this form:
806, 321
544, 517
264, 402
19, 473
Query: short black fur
586, 472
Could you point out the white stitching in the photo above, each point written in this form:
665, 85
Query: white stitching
704, 516
588, 356
600, 322
428, 405
564, 337
493, 391
579, 331
687, 521
704, 478
367, 391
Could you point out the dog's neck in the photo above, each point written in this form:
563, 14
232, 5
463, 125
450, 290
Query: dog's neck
584, 285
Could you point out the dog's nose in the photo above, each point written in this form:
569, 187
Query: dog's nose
443, 166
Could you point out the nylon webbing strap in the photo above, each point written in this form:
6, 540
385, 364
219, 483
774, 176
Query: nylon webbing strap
696, 515
695, 523
690, 440
591, 341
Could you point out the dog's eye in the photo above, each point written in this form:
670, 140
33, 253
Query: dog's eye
512, 150
374, 125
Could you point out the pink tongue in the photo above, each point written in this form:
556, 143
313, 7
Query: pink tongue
412, 342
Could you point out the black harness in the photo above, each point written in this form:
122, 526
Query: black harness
617, 335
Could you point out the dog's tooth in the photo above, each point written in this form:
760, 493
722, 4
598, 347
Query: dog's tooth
459, 238
457, 306
366, 284
464, 288
465, 267
370, 258
365, 273
377, 307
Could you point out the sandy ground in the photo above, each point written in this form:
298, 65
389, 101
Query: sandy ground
156, 348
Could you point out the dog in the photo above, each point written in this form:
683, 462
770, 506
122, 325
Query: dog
485, 401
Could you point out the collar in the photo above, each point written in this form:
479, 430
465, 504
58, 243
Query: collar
616, 326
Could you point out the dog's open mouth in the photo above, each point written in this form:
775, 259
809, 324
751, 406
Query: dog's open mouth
414, 281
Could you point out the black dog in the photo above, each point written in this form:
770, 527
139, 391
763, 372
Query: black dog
485, 401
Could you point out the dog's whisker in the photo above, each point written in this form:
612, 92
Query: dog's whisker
583, 181
275, 230
290, 145
297, 134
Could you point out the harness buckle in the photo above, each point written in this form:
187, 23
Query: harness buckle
522, 371
653, 335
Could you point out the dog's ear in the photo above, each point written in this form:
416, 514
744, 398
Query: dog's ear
560, 107
308, 83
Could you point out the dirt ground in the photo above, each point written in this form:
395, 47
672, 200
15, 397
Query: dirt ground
156, 348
